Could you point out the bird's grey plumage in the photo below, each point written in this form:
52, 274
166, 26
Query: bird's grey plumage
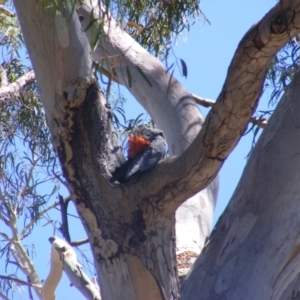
152, 154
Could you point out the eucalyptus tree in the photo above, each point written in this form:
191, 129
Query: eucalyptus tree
252, 252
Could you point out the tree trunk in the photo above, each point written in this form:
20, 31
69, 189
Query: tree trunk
131, 226
169, 104
253, 251
132, 239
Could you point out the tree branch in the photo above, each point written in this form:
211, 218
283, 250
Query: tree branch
20, 281
10, 92
64, 218
38, 215
227, 120
79, 243
20, 255
3, 297
260, 122
5, 236
5, 9
144, 76
169, 104
3, 78
26, 265
258, 233
63, 257
22, 191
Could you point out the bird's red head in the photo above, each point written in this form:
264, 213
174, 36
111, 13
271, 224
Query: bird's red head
136, 145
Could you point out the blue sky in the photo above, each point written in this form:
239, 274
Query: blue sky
207, 52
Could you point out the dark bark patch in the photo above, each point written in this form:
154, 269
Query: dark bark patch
138, 227
65, 95
279, 25
259, 44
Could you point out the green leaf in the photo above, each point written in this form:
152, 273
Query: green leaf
92, 21
184, 68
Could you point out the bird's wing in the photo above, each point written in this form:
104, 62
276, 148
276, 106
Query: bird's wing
119, 174
149, 158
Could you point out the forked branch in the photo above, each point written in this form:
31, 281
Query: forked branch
227, 120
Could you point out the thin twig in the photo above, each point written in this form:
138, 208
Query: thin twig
5, 236
64, 218
65, 224
3, 297
7, 11
29, 225
30, 296
20, 281
22, 191
260, 122
79, 243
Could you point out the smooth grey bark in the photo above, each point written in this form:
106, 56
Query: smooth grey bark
63, 258
253, 252
131, 226
9, 92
